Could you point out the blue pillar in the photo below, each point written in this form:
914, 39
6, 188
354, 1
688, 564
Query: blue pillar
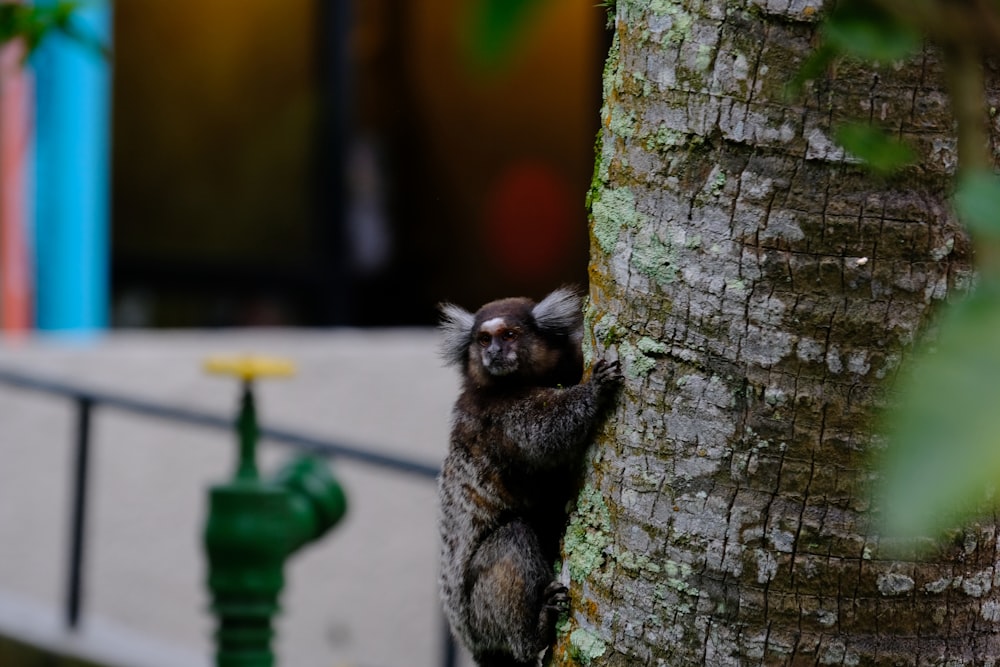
73, 100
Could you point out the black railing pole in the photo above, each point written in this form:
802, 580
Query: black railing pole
450, 653
78, 513
299, 441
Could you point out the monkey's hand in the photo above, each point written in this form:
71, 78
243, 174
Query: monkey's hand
555, 602
606, 374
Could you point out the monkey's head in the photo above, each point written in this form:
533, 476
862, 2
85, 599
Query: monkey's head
517, 341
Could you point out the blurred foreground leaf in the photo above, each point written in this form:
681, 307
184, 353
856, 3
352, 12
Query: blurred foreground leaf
34, 22
943, 460
811, 69
977, 199
862, 29
880, 151
496, 26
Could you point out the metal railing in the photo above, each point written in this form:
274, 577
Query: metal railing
87, 399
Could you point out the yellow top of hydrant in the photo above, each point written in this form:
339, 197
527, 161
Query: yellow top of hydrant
250, 367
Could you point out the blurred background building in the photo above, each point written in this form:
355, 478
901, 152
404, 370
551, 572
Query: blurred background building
288, 163
317, 162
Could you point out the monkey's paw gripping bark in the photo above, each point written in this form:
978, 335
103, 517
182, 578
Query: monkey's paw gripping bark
607, 373
555, 601
556, 597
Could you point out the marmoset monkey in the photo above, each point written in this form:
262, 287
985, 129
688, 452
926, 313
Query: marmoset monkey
519, 428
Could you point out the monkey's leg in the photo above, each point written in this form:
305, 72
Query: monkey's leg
513, 606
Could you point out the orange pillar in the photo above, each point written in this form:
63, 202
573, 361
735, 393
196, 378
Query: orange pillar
15, 145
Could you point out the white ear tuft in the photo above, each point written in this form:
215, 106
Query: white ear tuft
560, 312
456, 324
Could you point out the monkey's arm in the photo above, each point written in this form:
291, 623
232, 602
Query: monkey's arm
547, 428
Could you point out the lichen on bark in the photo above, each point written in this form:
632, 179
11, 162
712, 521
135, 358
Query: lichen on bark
587, 536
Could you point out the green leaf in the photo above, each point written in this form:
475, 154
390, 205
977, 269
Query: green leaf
811, 69
977, 199
880, 151
34, 22
14, 21
862, 29
942, 464
496, 26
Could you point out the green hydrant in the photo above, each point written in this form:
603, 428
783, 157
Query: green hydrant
254, 525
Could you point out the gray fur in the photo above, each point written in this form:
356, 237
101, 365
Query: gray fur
457, 327
561, 310
503, 488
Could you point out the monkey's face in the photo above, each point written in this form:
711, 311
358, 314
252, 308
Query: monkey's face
498, 343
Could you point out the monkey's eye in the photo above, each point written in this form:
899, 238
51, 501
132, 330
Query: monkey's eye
509, 335
484, 339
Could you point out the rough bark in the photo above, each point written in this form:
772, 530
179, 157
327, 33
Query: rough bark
761, 289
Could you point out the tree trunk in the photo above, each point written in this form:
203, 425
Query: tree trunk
761, 289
